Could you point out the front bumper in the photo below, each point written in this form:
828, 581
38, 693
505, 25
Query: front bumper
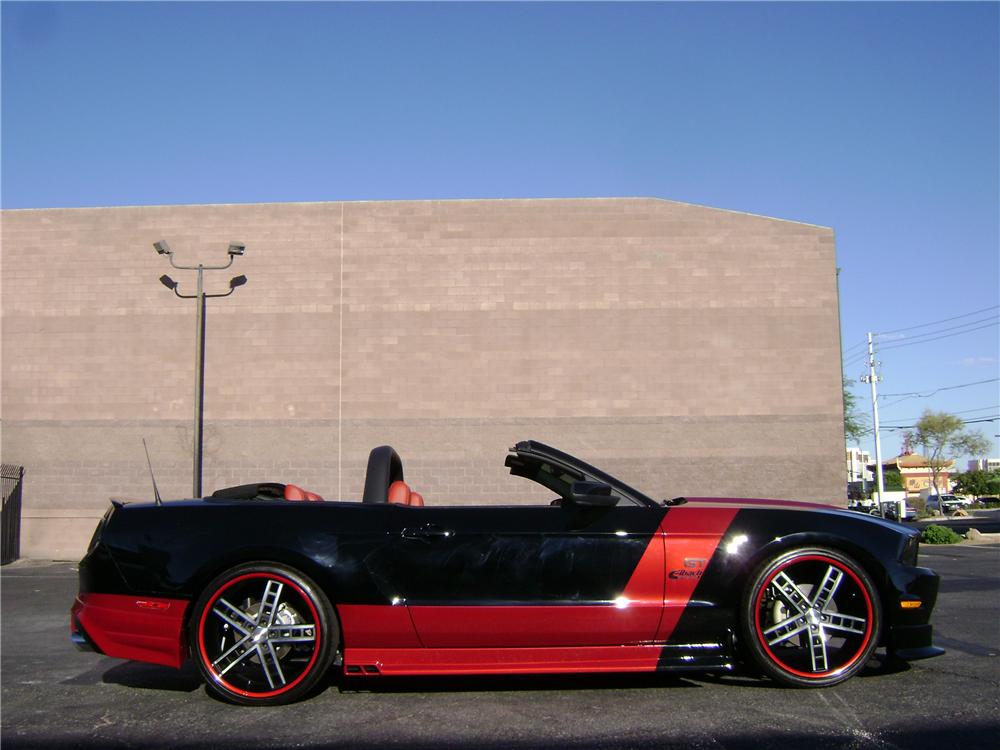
912, 642
909, 634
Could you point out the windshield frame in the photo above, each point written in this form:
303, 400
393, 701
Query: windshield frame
532, 452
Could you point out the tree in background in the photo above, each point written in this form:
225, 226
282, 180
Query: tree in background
978, 483
939, 433
893, 481
855, 425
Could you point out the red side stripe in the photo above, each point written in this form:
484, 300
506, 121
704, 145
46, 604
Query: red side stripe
691, 536
456, 661
377, 625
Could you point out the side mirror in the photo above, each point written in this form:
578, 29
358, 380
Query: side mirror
593, 494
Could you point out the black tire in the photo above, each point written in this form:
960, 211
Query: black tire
811, 617
262, 634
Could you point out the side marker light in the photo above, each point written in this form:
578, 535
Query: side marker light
911, 604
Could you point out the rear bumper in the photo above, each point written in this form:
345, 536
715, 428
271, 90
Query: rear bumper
128, 627
80, 642
78, 636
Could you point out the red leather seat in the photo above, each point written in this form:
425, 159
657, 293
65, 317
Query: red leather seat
399, 493
294, 492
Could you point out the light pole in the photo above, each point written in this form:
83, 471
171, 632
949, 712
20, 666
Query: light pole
235, 248
872, 378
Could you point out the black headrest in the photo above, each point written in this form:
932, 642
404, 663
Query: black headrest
384, 468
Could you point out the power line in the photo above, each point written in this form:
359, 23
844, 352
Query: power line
945, 330
936, 322
855, 346
935, 338
921, 394
873, 377
855, 359
964, 411
965, 421
982, 408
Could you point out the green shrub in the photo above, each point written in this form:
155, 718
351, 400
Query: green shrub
935, 534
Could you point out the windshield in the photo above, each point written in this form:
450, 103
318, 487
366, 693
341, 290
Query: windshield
556, 471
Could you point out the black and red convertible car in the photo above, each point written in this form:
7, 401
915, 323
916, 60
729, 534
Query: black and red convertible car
266, 586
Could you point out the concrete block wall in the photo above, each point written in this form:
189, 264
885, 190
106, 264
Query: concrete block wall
693, 350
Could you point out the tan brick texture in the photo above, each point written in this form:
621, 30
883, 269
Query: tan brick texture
693, 350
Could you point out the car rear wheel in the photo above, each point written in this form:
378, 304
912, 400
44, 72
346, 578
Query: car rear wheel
262, 634
811, 617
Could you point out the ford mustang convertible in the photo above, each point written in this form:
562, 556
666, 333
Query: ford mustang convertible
265, 586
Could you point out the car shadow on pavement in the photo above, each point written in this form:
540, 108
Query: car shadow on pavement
134, 674
980, 734
880, 665
501, 683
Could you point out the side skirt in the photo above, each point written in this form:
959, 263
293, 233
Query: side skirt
557, 660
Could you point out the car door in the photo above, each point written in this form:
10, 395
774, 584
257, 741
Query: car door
522, 576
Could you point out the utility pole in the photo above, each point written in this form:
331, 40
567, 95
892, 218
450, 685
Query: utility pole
235, 248
871, 378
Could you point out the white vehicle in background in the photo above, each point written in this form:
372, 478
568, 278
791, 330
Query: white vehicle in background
945, 503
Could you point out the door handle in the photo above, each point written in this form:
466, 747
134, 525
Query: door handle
427, 531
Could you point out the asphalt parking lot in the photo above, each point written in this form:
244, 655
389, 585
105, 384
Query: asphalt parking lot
56, 697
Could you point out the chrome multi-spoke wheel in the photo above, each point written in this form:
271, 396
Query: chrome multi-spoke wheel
811, 617
262, 634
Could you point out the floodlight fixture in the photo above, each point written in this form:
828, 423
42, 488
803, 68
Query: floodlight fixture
235, 249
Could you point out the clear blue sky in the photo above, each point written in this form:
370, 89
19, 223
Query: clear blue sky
879, 120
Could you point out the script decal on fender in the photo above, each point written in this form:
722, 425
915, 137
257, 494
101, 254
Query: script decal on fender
693, 568
690, 537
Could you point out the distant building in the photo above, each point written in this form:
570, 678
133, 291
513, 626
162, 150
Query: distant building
914, 472
984, 464
859, 465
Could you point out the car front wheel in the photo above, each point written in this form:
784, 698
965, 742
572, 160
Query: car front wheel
811, 617
262, 634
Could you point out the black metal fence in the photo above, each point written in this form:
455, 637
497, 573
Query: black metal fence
11, 479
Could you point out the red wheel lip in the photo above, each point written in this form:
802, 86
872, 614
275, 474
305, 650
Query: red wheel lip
208, 662
868, 606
